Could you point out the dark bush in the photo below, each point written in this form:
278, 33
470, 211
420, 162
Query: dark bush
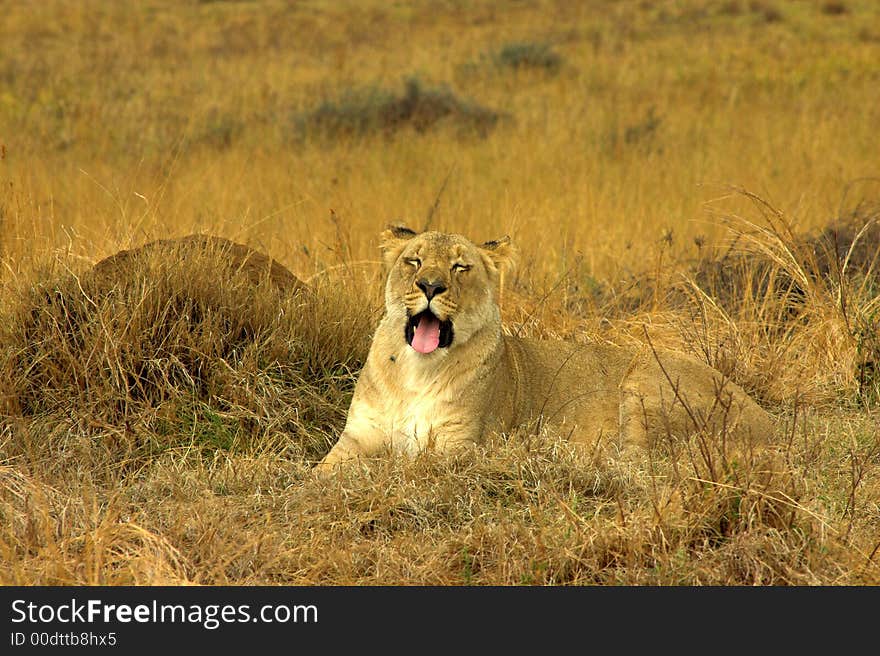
378, 111
529, 55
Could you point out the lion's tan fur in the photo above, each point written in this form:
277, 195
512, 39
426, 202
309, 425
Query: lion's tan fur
408, 401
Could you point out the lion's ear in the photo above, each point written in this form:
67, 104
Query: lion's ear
392, 241
499, 255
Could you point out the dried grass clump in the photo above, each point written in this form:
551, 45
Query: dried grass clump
791, 316
196, 341
780, 262
120, 268
802, 306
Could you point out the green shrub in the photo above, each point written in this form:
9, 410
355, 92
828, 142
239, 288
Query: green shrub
375, 110
528, 55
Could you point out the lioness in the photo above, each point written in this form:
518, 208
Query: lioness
440, 371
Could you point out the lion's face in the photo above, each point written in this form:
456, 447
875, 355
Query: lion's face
441, 287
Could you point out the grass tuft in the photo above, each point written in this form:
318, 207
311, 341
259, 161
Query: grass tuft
528, 55
376, 110
183, 342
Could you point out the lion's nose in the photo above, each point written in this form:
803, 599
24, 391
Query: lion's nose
431, 289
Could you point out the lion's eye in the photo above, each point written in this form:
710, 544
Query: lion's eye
414, 262
458, 266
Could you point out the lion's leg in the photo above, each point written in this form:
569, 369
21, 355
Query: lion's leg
633, 418
346, 449
650, 411
454, 437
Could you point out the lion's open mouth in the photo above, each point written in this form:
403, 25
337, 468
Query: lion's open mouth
426, 333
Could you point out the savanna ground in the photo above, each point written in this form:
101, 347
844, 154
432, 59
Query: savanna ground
702, 175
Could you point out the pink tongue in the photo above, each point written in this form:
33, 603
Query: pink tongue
427, 334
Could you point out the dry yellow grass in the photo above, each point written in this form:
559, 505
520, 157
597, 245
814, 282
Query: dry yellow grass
161, 430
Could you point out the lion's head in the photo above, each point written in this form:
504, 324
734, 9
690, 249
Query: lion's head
441, 287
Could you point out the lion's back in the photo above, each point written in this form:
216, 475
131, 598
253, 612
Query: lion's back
593, 390
573, 386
